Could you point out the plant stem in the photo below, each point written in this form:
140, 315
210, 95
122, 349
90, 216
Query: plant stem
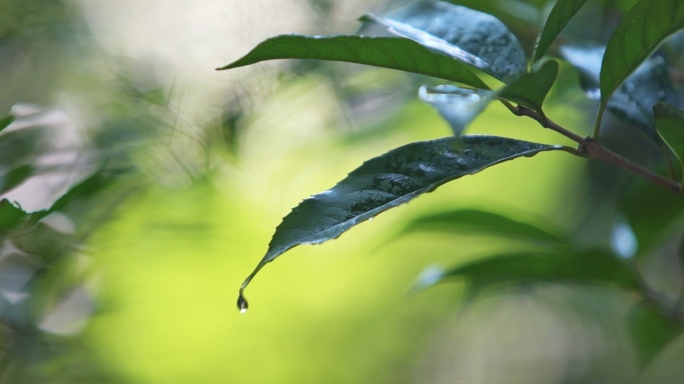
590, 148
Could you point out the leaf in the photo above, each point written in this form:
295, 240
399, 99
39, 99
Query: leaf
458, 106
650, 331
5, 122
669, 121
14, 177
10, 215
531, 89
633, 101
472, 37
644, 27
386, 182
560, 15
483, 222
587, 267
387, 52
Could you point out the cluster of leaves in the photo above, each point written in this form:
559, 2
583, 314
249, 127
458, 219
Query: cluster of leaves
467, 47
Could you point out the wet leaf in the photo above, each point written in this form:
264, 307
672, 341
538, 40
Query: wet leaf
387, 52
560, 15
669, 121
588, 267
14, 177
634, 99
531, 89
472, 37
10, 215
650, 331
644, 27
475, 221
5, 122
387, 181
458, 106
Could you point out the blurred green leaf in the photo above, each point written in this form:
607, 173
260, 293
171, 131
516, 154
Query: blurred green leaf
587, 267
531, 89
634, 99
387, 52
651, 332
458, 106
669, 121
14, 177
5, 122
387, 181
560, 15
470, 36
644, 27
10, 215
22, 146
483, 222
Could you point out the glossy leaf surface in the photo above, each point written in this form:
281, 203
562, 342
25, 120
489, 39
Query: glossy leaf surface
473, 37
386, 52
388, 181
644, 27
560, 15
477, 221
458, 106
590, 267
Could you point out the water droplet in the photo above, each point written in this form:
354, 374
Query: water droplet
630, 87
469, 153
242, 303
371, 218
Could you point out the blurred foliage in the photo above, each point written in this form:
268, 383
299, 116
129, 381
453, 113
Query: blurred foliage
127, 221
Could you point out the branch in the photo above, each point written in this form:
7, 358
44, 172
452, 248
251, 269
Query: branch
590, 148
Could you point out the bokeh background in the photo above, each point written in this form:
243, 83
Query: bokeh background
135, 281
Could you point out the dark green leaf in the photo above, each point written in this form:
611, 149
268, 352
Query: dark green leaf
483, 222
387, 52
473, 37
22, 146
634, 99
388, 181
560, 15
5, 122
531, 89
14, 177
650, 225
650, 331
10, 215
589, 267
670, 123
644, 27
458, 106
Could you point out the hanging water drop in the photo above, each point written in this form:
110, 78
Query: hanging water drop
242, 303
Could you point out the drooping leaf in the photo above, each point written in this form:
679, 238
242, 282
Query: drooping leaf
458, 106
14, 177
473, 37
531, 89
387, 52
650, 331
477, 221
669, 121
634, 99
5, 122
386, 182
587, 267
560, 15
644, 27
10, 215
